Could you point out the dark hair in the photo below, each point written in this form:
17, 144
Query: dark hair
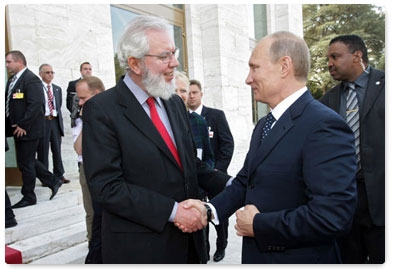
17, 56
83, 64
354, 43
196, 82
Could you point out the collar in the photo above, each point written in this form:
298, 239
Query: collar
279, 110
198, 110
19, 73
139, 93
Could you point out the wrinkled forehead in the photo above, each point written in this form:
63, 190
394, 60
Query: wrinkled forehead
160, 39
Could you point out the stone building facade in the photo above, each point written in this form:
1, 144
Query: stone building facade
217, 42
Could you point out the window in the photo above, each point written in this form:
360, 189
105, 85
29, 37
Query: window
259, 109
174, 14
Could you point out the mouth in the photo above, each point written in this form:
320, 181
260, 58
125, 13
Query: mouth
169, 75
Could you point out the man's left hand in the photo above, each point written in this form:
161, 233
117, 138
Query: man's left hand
245, 220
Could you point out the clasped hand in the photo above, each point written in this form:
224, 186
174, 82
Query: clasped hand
191, 215
245, 221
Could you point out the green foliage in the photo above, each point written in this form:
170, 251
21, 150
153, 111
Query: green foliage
322, 22
118, 70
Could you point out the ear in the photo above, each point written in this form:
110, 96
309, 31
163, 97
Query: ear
357, 56
286, 65
134, 65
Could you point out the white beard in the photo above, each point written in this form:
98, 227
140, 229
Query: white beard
157, 86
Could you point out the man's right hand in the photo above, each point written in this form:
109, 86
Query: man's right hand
191, 215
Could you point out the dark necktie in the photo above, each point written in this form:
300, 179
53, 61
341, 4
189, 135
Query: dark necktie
268, 125
9, 93
352, 116
50, 99
162, 129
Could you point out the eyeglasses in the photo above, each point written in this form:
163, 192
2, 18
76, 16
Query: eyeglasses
49, 72
165, 57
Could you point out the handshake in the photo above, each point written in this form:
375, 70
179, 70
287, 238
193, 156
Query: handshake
191, 215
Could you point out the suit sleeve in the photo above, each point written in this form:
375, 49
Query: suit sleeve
225, 143
34, 103
70, 96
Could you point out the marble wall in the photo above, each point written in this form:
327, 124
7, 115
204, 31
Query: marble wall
63, 36
218, 38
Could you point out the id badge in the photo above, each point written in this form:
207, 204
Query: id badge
18, 95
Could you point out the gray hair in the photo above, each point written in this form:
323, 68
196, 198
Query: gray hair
134, 42
181, 76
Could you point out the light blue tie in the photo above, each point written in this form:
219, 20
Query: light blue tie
352, 116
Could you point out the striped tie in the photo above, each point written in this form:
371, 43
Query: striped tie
352, 116
268, 125
50, 99
9, 93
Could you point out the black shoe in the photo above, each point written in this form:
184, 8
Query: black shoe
10, 222
65, 180
219, 255
43, 185
23, 203
55, 189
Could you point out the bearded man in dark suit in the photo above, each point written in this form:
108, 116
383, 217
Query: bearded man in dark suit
139, 178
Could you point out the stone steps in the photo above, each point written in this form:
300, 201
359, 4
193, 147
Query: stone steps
52, 231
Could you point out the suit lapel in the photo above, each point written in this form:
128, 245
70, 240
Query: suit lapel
177, 126
18, 81
56, 93
374, 88
139, 118
334, 98
260, 151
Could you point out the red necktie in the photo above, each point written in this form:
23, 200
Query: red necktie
162, 130
50, 100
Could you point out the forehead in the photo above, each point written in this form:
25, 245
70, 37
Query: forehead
9, 58
81, 87
181, 83
260, 52
194, 87
338, 47
160, 40
46, 67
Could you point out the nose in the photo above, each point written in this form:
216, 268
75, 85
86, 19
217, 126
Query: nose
329, 62
173, 61
248, 80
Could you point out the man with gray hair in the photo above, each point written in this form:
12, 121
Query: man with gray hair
140, 159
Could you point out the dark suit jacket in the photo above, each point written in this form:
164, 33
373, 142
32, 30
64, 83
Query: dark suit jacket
27, 111
57, 91
70, 94
222, 140
134, 177
301, 180
372, 140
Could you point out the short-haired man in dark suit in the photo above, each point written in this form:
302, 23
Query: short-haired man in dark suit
348, 63
24, 120
221, 140
297, 185
71, 98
